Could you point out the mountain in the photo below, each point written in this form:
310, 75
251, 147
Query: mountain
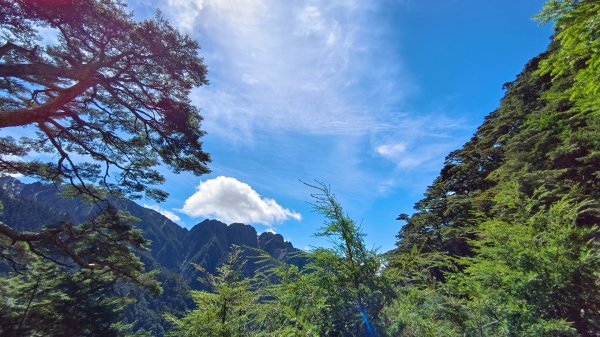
505, 241
174, 250
31, 206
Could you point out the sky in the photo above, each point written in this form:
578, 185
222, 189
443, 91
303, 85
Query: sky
367, 97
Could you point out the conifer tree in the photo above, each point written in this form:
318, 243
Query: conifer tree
225, 310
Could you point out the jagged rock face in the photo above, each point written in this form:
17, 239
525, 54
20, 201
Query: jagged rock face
274, 244
32, 206
277, 247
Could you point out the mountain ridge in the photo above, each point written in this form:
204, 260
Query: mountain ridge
29, 207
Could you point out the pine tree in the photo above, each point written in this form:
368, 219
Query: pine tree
225, 310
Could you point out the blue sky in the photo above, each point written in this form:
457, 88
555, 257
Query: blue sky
366, 96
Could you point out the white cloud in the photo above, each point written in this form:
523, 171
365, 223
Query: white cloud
326, 71
419, 142
419, 156
310, 21
170, 215
291, 66
391, 150
231, 200
405, 158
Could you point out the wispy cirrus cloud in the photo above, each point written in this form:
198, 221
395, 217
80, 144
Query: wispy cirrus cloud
421, 142
287, 75
289, 66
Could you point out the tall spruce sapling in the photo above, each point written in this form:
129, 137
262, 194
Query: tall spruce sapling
349, 274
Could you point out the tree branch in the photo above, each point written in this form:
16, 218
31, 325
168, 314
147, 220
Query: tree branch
8, 46
42, 69
46, 235
42, 112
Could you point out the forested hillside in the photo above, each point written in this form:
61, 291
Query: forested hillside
504, 243
173, 251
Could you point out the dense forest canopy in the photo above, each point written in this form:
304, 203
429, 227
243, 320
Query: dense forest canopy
505, 241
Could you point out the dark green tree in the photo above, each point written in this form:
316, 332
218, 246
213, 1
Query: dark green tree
291, 302
44, 299
487, 253
226, 310
348, 275
108, 103
535, 273
578, 33
545, 134
109, 99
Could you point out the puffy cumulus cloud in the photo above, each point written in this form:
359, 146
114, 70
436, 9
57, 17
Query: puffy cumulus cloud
170, 215
231, 200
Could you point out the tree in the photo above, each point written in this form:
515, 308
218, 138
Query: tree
46, 300
340, 292
535, 272
291, 302
524, 265
545, 133
110, 99
108, 103
578, 33
225, 310
348, 274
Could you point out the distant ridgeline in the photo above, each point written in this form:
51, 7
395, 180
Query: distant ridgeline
30, 206
173, 250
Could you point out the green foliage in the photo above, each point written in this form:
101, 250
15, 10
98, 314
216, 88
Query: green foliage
504, 243
422, 305
340, 292
106, 104
577, 24
347, 275
538, 137
290, 303
534, 272
51, 294
534, 275
47, 300
105, 244
109, 100
425, 312
226, 310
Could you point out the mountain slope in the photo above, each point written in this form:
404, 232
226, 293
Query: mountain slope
176, 249
505, 241
537, 139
